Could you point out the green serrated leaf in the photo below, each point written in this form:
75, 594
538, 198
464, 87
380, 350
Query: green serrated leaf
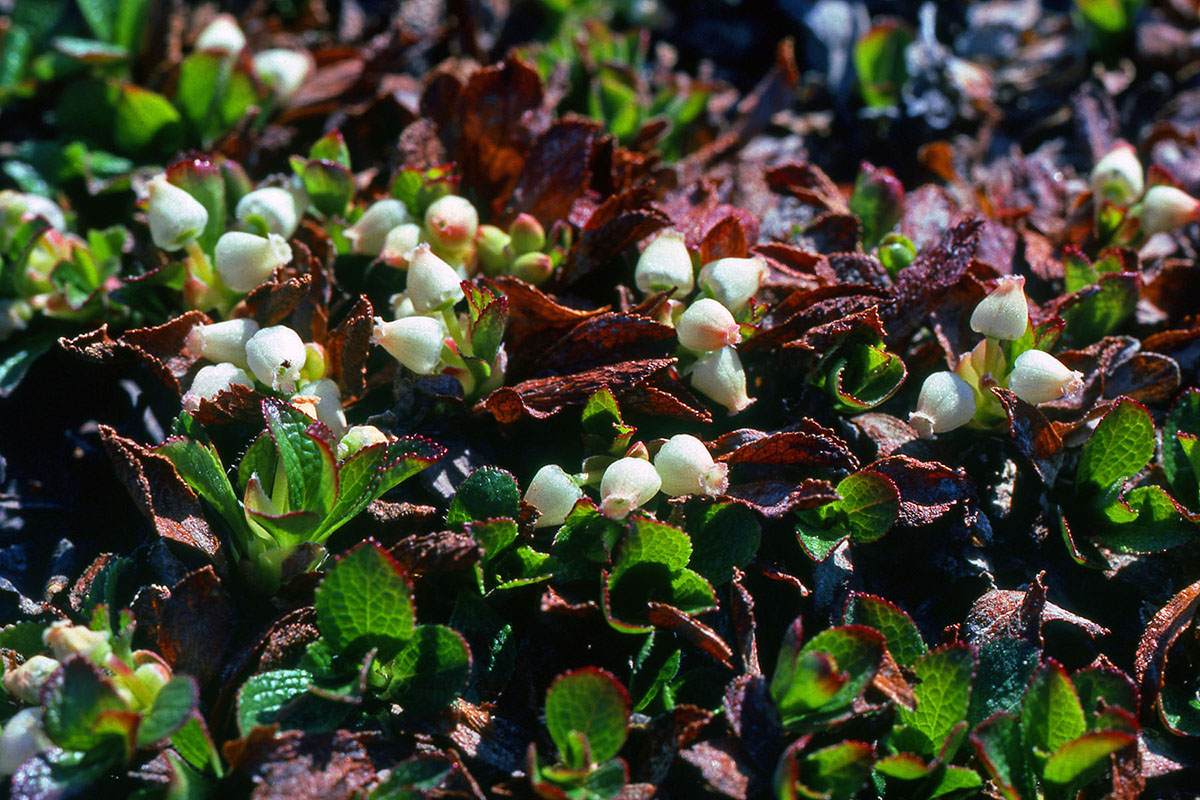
997, 743
307, 460
173, 707
494, 536
263, 695
364, 601
200, 467
958, 781
487, 493
78, 701
725, 537
1121, 445
838, 771
904, 641
1180, 454
649, 541
24, 637
430, 671
943, 694
870, 503
588, 702
1099, 315
1085, 757
1146, 520
1051, 714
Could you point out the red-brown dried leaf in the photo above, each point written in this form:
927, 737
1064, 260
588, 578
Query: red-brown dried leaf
794, 448
920, 287
725, 239
834, 233
779, 498
436, 552
196, 625
293, 765
1020, 613
745, 627
1154, 648
809, 183
161, 348
1149, 378
721, 765
928, 489
348, 346
620, 221
667, 617
1033, 434
605, 338
556, 172
543, 397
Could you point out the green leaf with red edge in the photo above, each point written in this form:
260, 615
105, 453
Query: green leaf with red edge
997, 743
489, 318
943, 694
1086, 758
1180, 453
1120, 447
591, 704
1179, 710
173, 706
1146, 520
856, 653
958, 781
1051, 714
307, 459
877, 201
651, 565
368, 474
365, 601
604, 430
868, 506
1098, 315
80, 705
328, 185
430, 671
836, 772
904, 767
904, 641
1105, 685
879, 62
725, 537
200, 467
487, 493
331, 147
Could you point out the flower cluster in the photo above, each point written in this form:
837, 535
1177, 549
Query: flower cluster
1128, 211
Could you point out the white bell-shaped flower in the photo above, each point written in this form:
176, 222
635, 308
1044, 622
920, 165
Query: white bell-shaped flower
247, 260
175, 216
222, 341
22, 739
946, 402
707, 325
416, 342
25, 682
553, 493
282, 70
733, 281
358, 437
686, 467
327, 401
1038, 377
277, 208
399, 244
1004, 313
432, 283
720, 376
368, 235
627, 484
665, 264
1167, 208
275, 356
1118, 176
222, 34
213, 379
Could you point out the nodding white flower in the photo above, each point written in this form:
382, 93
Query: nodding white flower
946, 402
22, 739
247, 260
25, 682
65, 639
222, 341
327, 402
357, 438
665, 264
432, 283
368, 235
733, 281
276, 355
686, 467
1038, 377
278, 209
282, 70
399, 243
1118, 177
553, 493
416, 342
175, 216
707, 325
211, 380
451, 223
527, 234
1165, 208
720, 376
27, 206
535, 268
222, 34
627, 484
1004, 313
402, 306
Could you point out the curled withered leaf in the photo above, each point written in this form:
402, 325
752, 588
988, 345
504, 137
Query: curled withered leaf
237, 404
928, 489
196, 624
1154, 648
1020, 614
809, 183
608, 337
161, 494
887, 432
849, 267
293, 765
272, 302
161, 348
806, 309
535, 316
666, 617
833, 232
745, 626
664, 395
920, 287
556, 172
1033, 434
727, 238
697, 212
620, 221
754, 718
348, 346
436, 552
1150, 378
776, 498
793, 267
722, 766
542, 397
795, 448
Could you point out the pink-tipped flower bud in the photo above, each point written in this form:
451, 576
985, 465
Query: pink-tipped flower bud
553, 493
327, 400
1167, 208
946, 402
368, 235
222, 341
275, 356
1038, 377
1004, 313
223, 34
416, 342
534, 268
665, 264
627, 484
733, 281
1118, 177
210, 381
432, 283
720, 376
25, 682
491, 245
357, 438
528, 235
399, 243
273, 208
451, 223
247, 260
175, 216
65, 639
282, 70
686, 467
707, 325
23, 738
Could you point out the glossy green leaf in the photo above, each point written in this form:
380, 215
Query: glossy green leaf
173, 707
263, 695
958, 782
943, 694
430, 671
1085, 757
997, 743
604, 430
329, 186
1180, 454
487, 493
1120, 446
590, 703
146, 122
836, 772
1101, 314
307, 460
1051, 714
489, 318
1005, 666
77, 700
880, 63
904, 641
877, 201
1146, 520
725, 537
365, 601
200, 467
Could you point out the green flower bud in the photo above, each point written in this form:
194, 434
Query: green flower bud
528, 235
